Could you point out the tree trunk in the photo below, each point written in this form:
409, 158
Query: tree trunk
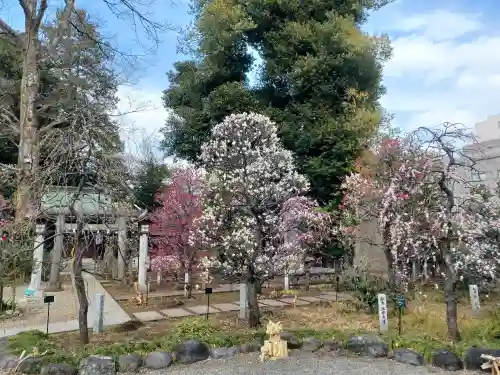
29, 137
391, 267
1, 296
450, 297
190, 284
253, 303
451, 309
308, 280
83, 305
56, 256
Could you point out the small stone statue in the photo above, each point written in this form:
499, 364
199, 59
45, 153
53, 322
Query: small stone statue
275, 347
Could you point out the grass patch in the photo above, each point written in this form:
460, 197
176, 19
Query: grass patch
424, 329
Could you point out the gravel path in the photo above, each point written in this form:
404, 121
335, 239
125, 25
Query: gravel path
300, 363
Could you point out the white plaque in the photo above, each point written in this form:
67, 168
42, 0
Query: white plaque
98, 326
474, 297
243, 301
382, 312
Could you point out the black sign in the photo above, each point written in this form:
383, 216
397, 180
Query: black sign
208, 290
48, 299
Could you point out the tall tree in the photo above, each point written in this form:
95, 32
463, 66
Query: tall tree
419, 191
320, 78
173, 222
34, 53
253, 203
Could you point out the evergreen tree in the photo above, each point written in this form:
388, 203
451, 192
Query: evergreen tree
150, 178
320, 78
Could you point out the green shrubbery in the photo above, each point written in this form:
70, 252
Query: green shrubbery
483, 333
194, 328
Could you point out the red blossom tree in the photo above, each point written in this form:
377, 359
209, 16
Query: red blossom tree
173, 223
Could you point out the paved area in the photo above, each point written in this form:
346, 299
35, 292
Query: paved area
227, 306
202, 309
223, 288
178, 312
148, 316
35, 312
301, 363
272, 302
113, 313
298, 301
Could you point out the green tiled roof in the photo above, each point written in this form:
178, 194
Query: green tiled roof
90, 202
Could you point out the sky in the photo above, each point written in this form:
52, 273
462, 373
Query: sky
445, 64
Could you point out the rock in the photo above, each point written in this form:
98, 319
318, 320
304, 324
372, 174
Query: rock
158, 360
293, 342
446, 360
332, 345
370, 345
250, 347
407, 356
310, 344
30, 366
8, 362
191, 351
58, 369
129, 362
473, 360
97, 365
223, 352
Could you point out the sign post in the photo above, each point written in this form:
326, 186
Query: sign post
401, 306
98, 326
208, 291
337, 281
243, 301
474, 298
48, 300
382, 312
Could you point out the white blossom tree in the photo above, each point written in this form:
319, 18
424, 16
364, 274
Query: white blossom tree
413, 192
251, 196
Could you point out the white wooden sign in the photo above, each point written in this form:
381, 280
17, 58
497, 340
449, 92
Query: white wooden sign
243, 301
98, 325
474, 297
382, 312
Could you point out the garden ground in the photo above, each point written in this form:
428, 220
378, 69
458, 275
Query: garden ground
423, 330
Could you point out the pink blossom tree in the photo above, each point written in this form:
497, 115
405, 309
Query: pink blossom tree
254, 205
426, 207
181, 204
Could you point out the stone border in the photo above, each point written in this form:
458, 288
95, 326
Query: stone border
191, 351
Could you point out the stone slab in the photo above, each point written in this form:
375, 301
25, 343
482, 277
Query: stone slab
148, 316
327, 297
272, 302
227, 306
298, 302
341, 296
176, 313
202, 309
310, 299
